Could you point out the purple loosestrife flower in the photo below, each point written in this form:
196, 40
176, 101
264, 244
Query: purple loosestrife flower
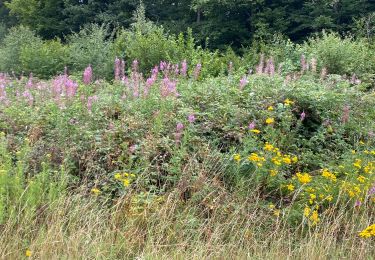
184, 68
176, 69
29, 98
259, 68
357, 204
70, 88
178, 134
191, 118
252, 125
29, 83
135, 65
179, 127
271, 67
122, 69
303, 116
90, 101
87, 75
163, 65
197, 71
372, 190
168, 87
3, 93
243, 82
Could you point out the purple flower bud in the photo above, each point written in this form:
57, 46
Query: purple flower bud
372, 190
357, 204
179, 127
191, 118
252, 125
303, 115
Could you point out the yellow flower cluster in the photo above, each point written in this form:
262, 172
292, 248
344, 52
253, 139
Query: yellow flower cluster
329, 175
303, 178
313, 216
270, 120
368, 232
125, 178
95, 191
254, 157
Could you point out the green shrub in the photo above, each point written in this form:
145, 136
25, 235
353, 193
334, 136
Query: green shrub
3, 32
14, 41
92, 45
341, 55
150, 44
44, 59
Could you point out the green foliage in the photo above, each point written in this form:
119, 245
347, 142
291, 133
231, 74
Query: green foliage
3, 32
44, 59
92, 45
150, 44
10, 51
20, 192
341, 56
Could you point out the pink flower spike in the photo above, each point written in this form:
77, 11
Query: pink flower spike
243, 82
87, 75
191, 118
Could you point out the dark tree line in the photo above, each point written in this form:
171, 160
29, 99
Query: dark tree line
223, 22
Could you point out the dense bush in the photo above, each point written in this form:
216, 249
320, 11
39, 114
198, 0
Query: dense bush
44, 59
91, 46
10, 50
3, 31
341, 55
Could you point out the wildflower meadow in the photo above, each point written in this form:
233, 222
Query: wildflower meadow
268, 154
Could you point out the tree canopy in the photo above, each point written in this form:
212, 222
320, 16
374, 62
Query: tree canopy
223, 22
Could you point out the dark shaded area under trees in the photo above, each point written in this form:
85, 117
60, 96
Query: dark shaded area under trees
223, 22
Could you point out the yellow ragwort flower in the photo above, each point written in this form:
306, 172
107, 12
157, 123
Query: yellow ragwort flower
303, 178
361, 178
290, 187
288, 102
273, 173
126, 182
237, 157
270, 121
328, 175
268, 147
95, 191
255, 131
28, 253
368, 232
270, 108
287, 160
358, 163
